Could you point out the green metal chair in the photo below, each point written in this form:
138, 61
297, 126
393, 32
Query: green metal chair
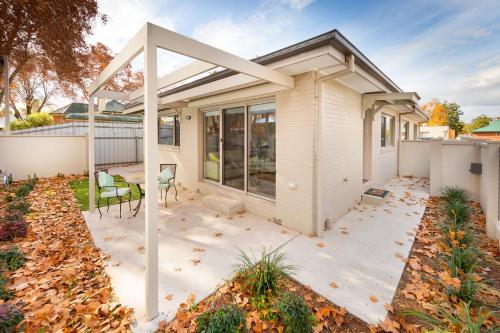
167, 180
108, 189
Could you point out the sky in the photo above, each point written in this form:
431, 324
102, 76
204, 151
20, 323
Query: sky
448, 50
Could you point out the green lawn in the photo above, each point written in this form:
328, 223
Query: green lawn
81, 189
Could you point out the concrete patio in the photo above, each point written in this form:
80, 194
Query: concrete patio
363, 254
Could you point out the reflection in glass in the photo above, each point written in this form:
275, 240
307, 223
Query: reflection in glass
211, 123
234, 147
262, 149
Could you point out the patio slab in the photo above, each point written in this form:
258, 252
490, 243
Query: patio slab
363, 253
198, 249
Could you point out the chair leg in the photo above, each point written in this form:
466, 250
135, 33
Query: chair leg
175, 188
161, 194
100, 213
166, 192
129, 197
120, 198
108, 206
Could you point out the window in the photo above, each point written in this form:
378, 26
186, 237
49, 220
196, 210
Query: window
387, 130
169, 130
405, 130
240, 147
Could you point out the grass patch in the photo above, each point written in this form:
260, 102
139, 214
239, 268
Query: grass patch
81, 189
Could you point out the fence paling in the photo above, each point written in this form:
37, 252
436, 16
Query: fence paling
114, 143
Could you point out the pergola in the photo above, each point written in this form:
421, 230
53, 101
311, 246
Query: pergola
147, 40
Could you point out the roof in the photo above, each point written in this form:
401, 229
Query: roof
333, 38
493, 126
75, 107
106, 117
72, 108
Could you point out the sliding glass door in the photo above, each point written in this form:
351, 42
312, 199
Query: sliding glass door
262, 149
211, 133
233, 147
245, 139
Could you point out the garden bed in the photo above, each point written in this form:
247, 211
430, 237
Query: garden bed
62, 283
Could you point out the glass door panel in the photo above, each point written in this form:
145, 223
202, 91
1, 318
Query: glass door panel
234, 147
262, 149
211, 130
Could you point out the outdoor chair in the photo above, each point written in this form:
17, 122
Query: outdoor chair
167, 180
108, 190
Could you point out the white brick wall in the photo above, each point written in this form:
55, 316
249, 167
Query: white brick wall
341, 171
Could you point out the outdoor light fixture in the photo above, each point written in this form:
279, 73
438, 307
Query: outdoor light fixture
188, 117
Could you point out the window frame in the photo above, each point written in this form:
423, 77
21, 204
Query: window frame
220, 108
176, 131
406, 125
387, 119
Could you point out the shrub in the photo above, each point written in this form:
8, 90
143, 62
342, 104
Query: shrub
25, 188
11, 259
263, 275
461, 320
467, 290
295, 315
10, 317
458, 211
462, 260
454, 193
19, 204
5, 293
11, 229
226, 319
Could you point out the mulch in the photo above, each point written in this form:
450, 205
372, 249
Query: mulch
63, 285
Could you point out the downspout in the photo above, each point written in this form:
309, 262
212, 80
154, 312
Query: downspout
318, 227
398, 153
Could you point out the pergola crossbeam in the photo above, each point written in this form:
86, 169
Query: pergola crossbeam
378, 100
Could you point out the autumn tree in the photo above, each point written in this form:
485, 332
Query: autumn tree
478, 122
438, 115
54, 31
92, 64
453, 114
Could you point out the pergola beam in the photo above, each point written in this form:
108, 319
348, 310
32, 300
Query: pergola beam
133, 48
178, 75
177, 43
381, 99
109, 94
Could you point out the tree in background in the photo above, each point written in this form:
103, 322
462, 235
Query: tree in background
31, 90
453, 114
478, 122
92, 64
438, 115
51, 33
33, 120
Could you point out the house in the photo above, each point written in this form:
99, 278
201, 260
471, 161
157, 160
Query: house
489, 132
436, 132
298, 156
109, 111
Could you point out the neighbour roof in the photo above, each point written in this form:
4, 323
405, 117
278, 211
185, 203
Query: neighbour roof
333, 38
493, 126
72, 108
106, 117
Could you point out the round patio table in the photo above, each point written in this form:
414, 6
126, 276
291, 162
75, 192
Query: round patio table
137, 179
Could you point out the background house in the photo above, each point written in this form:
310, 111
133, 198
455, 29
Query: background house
436, 132
489, 132
111, 110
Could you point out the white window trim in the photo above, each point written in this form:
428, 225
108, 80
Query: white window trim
167, 147
392, 138
246, 104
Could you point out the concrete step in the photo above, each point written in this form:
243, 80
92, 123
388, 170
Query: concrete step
224, 205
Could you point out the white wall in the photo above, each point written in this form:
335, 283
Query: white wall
341, 150
46, 156
414, 158
489, 195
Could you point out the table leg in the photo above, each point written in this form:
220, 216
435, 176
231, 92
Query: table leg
141, 194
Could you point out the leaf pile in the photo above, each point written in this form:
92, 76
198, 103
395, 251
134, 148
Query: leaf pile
424, 281
63, 284
329, 317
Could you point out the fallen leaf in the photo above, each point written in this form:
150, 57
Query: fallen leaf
373, 298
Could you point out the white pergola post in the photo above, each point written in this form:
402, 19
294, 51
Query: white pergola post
151, 169
91, 154
6, 93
